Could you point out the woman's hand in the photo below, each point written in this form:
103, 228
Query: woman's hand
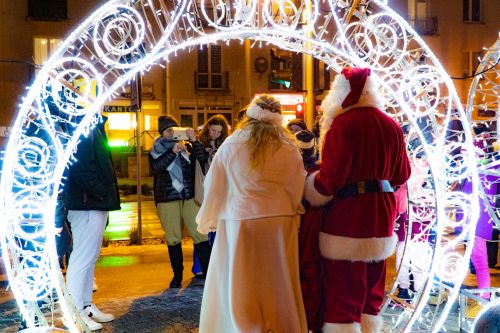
190, 134
178, 147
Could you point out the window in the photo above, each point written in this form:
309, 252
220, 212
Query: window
43, 48
186, 120
417, 9
48, 10
472, 60
472, 10
209, 73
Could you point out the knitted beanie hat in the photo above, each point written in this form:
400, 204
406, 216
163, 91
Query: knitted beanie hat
305, 139
297, 122
165, 122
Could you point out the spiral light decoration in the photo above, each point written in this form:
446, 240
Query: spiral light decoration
124, 37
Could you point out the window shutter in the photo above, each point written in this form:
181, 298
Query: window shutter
202, 77
216, 66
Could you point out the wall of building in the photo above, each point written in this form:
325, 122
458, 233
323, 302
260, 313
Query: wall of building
17, 33
16, 46
455, 37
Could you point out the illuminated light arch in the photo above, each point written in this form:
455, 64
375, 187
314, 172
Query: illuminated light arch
123, 37
484, 95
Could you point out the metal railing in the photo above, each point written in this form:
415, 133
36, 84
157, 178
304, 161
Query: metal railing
211, 81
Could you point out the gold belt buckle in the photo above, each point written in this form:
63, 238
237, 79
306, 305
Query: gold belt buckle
361, 187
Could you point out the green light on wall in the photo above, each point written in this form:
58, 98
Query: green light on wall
118, 143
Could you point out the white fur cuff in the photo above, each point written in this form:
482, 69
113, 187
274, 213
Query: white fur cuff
356, 249
341, 328
371, 324
312, 195
256, 112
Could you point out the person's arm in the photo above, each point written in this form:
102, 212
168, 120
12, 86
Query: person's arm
402, 168
161, 163
336, 162
198, 152
216, 189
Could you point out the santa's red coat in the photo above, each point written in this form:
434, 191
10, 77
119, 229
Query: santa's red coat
357, 236
363, 143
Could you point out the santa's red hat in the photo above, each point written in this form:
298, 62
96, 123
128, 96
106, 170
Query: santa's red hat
352, 88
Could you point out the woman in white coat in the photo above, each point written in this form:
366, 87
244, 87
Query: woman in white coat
253, 194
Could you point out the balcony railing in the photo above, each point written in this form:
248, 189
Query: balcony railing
211, 81
425, 26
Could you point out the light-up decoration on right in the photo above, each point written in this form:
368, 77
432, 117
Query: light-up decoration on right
123, 37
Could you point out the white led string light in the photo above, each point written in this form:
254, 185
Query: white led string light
123, 37
484, 94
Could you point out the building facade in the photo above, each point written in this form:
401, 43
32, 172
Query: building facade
214, 79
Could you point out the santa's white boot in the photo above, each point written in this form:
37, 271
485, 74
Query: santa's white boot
341, 328
371, 324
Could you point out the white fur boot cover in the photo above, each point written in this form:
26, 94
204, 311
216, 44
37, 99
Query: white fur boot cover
371, 324
341, 328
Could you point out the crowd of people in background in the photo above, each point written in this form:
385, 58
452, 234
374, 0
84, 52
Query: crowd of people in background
291, 227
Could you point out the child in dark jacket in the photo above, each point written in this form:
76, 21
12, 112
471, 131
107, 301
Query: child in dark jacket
309, 255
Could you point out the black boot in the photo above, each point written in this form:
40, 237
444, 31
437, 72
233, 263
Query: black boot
175, 254
203, 250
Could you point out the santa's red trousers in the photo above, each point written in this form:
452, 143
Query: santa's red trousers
352, 288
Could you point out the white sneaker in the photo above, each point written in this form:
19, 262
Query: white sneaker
92, 325
95, 314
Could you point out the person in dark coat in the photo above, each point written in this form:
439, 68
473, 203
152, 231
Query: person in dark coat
310, 226
90, 193
173, 165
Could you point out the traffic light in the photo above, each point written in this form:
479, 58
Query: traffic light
299, 111
281, 67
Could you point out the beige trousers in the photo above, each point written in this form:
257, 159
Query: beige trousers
176, 214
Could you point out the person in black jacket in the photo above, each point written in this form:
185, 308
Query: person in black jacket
173, 165
90, 193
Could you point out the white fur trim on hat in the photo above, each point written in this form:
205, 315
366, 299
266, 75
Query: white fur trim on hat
371, 323
256, 112
341, 328
312, 195
305, 145
332, 104
373, 249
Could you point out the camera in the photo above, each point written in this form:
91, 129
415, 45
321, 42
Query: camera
180, 133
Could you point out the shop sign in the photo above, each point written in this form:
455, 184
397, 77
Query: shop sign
117, 108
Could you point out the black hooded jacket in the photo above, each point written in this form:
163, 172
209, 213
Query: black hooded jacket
92, 181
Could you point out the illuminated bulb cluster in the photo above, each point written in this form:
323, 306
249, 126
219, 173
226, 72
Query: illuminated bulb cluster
484, 95
124, 37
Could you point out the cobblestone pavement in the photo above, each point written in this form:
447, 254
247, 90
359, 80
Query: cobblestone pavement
133, 285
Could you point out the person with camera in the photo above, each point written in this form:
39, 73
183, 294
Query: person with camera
172, 159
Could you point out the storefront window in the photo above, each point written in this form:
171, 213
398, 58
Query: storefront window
186, 120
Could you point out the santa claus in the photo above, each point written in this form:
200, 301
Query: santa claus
363, 158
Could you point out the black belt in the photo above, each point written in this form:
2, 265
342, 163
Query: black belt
368, 186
